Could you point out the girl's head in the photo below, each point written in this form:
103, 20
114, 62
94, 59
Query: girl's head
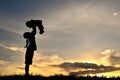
26, 34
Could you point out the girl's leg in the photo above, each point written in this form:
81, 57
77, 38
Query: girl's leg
27, 69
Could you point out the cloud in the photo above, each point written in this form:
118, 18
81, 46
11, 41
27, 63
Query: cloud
114, 57
115, 14
78, 65
96, 71
9, 67
11, 53
12, 48
41, 58
12, 61
81, 26
111, 56
85, 68
106, 52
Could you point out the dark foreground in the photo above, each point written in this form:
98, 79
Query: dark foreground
56, 77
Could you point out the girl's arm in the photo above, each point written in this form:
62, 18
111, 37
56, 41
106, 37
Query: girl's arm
34, 30
26, 43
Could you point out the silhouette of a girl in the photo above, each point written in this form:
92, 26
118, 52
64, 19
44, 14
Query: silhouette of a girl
31, 43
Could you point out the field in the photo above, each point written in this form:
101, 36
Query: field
55, 77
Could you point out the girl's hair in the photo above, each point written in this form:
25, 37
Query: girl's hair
26, 34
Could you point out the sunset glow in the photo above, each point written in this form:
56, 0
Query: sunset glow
82, 37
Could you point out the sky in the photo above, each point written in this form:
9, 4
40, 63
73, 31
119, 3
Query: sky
81, 37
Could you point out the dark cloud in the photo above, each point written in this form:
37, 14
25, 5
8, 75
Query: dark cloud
67, 65
89, 68
96, 71
114, 57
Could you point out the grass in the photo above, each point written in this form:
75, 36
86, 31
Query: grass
55, 77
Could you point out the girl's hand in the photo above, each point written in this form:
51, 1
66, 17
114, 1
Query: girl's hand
26, 43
